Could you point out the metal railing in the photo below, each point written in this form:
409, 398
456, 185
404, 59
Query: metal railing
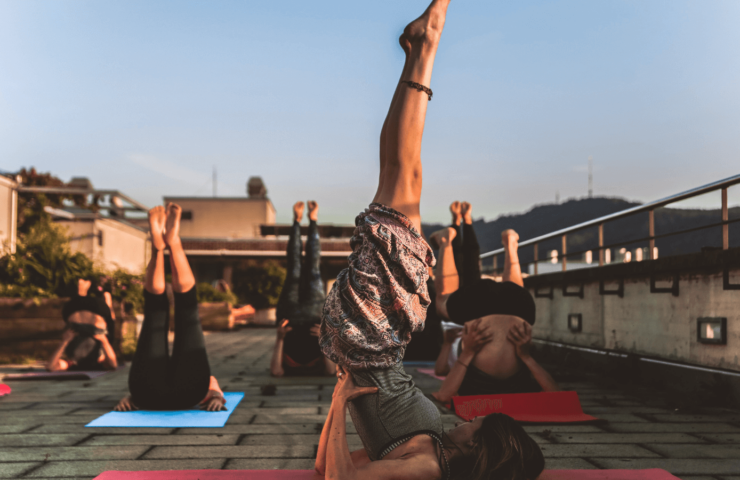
650, 207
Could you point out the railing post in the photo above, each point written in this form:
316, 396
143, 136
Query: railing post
651, 233
725, 225
495, 264
536, 258
565, 251
601, 244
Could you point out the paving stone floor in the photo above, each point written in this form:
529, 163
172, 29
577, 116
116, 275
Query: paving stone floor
43, 434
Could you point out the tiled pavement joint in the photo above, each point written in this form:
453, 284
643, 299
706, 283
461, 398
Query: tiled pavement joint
83, 440
145, 452
282, 430
649, 449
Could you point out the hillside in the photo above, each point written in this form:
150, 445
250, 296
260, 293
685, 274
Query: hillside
543, 219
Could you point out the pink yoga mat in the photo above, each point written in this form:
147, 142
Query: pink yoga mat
63, 375
541, 407
430, 372
212, 475
4, 390
652, 474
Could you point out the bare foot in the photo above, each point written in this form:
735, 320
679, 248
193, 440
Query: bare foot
510, 240
83, 286
442, 237
313, 210
157, 218
455, 210
426, 29
298, 211
172, 229
467, 212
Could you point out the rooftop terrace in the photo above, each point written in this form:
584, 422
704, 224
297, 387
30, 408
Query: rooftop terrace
44, 437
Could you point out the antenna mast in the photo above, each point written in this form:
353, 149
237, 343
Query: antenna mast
590, 176
215, 183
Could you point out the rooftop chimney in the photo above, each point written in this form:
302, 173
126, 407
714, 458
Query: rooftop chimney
256, 188
81, 182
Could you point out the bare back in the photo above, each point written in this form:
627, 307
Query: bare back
498, 358
85, 317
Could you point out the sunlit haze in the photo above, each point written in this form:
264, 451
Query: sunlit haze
148, 97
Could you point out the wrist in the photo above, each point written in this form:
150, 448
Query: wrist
466, 356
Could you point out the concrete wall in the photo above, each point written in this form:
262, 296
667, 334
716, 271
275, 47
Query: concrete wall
8, 214
123, 246
652, 324
222, 217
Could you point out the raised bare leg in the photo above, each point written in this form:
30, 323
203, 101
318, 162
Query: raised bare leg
400, 157
469, 262
466, 210
446, 279
155, 282
512, 269
455, 210
182, 276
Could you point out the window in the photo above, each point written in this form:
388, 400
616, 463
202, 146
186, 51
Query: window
187, 215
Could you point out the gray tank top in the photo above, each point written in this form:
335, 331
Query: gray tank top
394, 415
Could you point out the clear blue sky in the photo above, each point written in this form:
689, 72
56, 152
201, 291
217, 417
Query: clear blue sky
147, 96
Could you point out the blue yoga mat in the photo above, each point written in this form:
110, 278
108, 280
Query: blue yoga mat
170, 418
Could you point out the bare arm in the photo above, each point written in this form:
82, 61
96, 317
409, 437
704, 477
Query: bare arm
473, 339
452, 382
359, 457
276, 362
343, 465
521, 337
110, 362
56, 363
109, 301
442, 366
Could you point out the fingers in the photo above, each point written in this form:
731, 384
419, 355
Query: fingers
285, 322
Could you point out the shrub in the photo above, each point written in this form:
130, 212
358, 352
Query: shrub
207, 293
43, 265
259, 283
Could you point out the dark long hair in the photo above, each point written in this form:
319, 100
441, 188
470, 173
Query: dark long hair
501, 450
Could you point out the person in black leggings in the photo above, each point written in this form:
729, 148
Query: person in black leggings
465, 246
156, 380
300, 305
497, 319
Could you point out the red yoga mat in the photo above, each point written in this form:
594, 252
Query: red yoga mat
430, 372
541, 407
4, 389
652, 474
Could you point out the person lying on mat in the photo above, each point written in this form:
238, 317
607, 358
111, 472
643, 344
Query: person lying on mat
156, 380
494, 446
296, 350
380, 299
466, 253
499, 314
87, 339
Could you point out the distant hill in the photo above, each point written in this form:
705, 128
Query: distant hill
543, 219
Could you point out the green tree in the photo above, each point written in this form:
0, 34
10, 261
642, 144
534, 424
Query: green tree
43, 264
259, 284
31, 205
